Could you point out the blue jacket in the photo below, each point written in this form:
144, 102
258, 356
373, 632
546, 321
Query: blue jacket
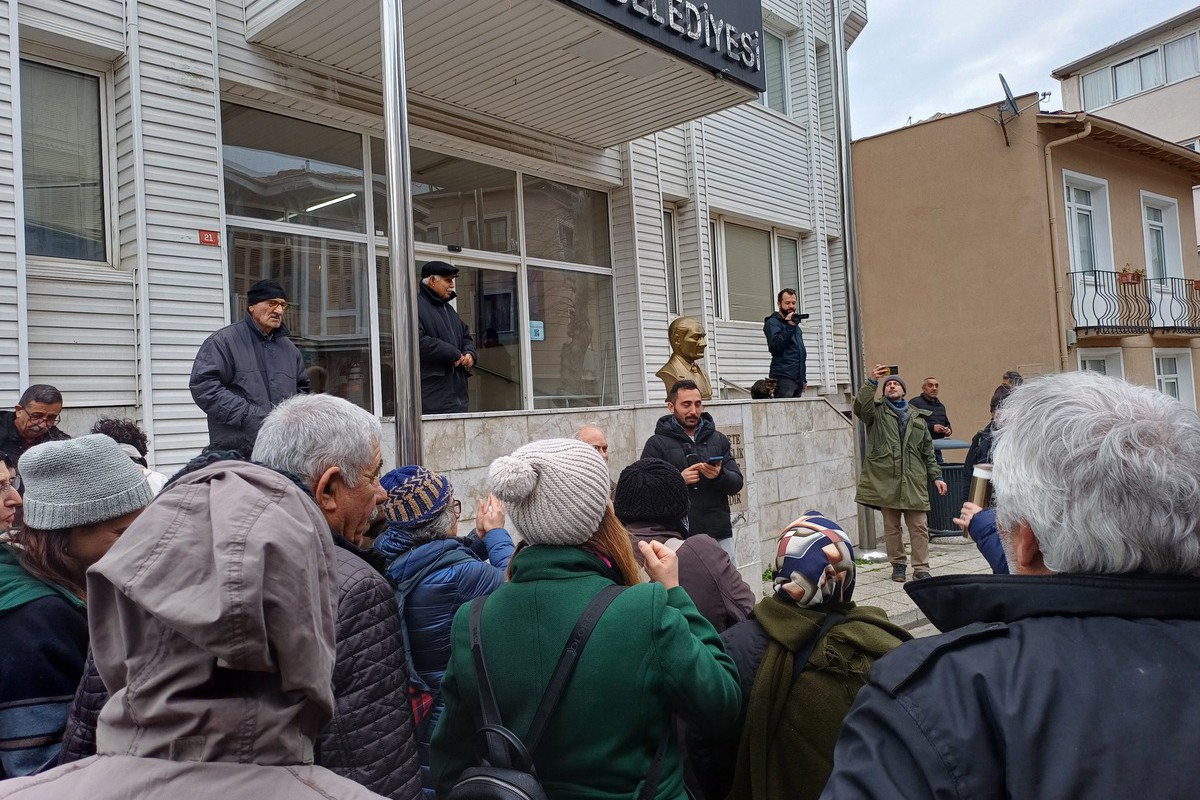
987, 539
432, 580
240, 374
788, 354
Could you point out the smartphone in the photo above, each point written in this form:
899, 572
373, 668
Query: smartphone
716, 459
692, 458
893, 370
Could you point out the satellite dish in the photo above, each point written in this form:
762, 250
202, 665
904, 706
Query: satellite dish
1010, 102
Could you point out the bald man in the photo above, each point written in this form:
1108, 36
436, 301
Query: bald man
593, 436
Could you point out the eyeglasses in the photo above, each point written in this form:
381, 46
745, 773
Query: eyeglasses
5, 486
273, 304
37, 416
457, 506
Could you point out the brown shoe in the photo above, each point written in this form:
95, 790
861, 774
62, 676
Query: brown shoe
898, 572
922, 575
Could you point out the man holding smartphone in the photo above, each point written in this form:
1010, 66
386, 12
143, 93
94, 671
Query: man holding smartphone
688, 440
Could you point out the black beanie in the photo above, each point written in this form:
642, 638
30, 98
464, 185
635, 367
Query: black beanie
266, 289
651, 490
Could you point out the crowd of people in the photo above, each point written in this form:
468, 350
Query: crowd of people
296, 622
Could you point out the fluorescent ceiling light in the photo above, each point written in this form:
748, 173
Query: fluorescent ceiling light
331, 202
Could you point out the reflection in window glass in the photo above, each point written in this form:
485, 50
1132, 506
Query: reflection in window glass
451, 195
379, 186
748, 272
61, 148
288, 170
575, 362
327, 315
566, 223
487, 302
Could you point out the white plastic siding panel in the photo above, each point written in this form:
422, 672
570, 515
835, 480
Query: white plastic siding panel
788, 10
652, 276
93, 27
182, 161
625, 290
672, 162
839, 311
82, 338
10, 377
744, 356
757, 167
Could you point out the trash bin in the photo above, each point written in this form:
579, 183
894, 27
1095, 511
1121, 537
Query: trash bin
943, 509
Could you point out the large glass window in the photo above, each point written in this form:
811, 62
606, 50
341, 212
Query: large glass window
573, 345
748, 272
1137, 75
328, 304
1161, 233
451, 195
1182, 57
566, 223
62, 152
1089, 242
288, 170
775, 67
1097, 89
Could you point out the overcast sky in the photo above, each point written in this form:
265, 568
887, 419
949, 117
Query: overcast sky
918, 57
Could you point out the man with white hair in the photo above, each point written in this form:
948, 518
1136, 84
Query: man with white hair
1070, 677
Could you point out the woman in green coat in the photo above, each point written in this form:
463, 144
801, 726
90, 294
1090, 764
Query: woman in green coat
651, 655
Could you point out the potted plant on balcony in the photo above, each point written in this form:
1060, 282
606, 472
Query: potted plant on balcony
1130, 275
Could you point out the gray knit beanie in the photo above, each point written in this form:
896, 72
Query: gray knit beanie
80, 482
556, 490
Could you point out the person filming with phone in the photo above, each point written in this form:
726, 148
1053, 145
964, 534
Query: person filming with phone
688, 440
786, 343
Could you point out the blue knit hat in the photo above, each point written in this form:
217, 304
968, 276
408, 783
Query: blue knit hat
414, 495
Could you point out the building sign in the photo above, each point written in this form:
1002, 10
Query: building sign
210, 238
737, 448
724, 36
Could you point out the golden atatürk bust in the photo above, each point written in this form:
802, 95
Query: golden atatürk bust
688, 343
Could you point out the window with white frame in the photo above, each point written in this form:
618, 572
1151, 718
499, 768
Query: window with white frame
1106, 361
774, 49
62, 150
1160, 221
1088, 231
754, 264
1173, 375
671, 262
1193, 144
1174, 61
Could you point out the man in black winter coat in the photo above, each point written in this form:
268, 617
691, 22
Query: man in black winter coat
688, 440
786, 343
1068, 678
447, 351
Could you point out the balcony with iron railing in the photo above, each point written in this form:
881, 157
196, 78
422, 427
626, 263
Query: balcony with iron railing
1127, 304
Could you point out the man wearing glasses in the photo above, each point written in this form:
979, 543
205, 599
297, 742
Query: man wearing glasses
246, 369
33, 420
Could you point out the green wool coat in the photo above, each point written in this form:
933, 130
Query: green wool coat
897, 470
649, 656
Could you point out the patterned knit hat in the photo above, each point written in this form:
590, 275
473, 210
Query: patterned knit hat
556, 490
414, 495
651, 490
80, 482
814, 562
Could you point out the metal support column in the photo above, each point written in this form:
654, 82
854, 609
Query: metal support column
400, 246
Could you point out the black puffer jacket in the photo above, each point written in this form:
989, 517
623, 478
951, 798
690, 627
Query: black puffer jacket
370, 739
1053, 687
443, 338
789, 357
239, 375
708, 500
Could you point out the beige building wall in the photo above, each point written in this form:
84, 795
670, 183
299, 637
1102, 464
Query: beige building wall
954, 254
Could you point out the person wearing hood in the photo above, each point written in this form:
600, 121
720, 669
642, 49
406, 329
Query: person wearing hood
897, 470
447, 350
650, 655
212, 626
688, 440
245, 369
792, 709
330, 448
80, 496
434, 573
651, 501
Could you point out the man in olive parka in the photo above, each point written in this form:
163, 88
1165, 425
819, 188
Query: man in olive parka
897, 469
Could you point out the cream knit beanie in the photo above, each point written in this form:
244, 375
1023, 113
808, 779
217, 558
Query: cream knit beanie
556, 490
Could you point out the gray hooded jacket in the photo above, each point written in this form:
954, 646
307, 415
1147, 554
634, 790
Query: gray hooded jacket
212, 623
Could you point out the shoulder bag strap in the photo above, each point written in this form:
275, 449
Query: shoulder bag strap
800, 657
497, 752
566, 662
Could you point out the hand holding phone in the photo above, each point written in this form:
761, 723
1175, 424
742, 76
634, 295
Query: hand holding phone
716, 459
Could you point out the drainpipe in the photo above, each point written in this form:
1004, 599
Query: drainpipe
868, 537
400, 246
1055, 258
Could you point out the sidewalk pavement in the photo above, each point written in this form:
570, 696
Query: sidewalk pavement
948, 555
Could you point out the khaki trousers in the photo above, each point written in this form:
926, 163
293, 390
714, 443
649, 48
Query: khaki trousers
917, 523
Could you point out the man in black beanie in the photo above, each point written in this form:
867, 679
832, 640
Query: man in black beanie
246, 369
651, 501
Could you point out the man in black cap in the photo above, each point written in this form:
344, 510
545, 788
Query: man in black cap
245, 369
447, 351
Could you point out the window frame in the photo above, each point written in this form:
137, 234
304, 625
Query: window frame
40, 264
1162, 79
671, 261
721, 271
1100, 211
764, 99
1183, 374
1170, 227
1111, 356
